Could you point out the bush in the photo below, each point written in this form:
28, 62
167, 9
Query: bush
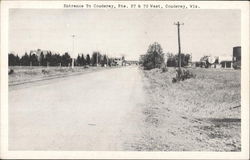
187, 74
11, 71
237, 65
45, 71
181, 75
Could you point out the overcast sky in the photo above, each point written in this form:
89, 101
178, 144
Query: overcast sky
124, 32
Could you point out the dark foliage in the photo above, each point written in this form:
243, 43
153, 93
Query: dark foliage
33, 59
25, 60
66, 59
11, 71
96, 58
173, 60
153, 58
80, 60
182, 75
45, 71
88, 61
13, 60
47, 58
237, 65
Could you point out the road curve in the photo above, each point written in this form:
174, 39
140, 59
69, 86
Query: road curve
95, 111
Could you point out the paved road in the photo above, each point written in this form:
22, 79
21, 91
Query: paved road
94, 111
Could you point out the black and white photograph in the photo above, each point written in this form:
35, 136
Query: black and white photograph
125, 77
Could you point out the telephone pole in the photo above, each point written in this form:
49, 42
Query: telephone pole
179, 44
73, 36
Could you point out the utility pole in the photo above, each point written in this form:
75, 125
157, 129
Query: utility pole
179, 45
96, 59
73, 36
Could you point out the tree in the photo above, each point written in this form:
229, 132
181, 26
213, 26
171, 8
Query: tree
83, 61
25, 60
66, 60
154, 57
184, 59
30, 63
17, 62
59, 59
12, 59
96, 58
74, 61
48, 58
172, 60
34, 60
42, 60
54, 60
88, 59
78, 60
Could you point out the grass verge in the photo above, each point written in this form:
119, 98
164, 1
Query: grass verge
198, 114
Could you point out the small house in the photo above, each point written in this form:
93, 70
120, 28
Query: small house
226, 62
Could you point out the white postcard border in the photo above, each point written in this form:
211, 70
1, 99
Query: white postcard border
243, 6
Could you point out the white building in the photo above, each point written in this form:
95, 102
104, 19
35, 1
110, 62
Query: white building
226, 61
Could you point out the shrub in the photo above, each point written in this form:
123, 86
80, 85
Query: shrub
45, 71
11, 71
237, 65
181, 75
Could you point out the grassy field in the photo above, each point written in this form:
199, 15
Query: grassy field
213, 93
198, 114
23, 74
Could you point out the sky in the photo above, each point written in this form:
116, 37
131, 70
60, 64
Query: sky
124, 32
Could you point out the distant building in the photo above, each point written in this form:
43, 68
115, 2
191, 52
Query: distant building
225, 61
229, 61
119, 62
132, 62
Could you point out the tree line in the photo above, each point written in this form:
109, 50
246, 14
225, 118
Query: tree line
47, 58
154, 58
172, 60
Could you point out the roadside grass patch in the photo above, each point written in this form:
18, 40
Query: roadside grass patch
213, 95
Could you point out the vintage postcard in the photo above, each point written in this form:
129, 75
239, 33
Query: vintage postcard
124, 79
